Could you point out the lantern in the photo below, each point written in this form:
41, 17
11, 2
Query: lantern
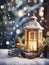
33, 35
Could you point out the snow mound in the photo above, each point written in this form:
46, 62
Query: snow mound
6, 60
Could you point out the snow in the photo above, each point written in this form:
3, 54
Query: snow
34, 24
7, 60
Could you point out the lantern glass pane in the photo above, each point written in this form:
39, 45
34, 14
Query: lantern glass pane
33, 35
32, 40
32, 45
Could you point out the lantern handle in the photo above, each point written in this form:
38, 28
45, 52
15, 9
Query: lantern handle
34, 17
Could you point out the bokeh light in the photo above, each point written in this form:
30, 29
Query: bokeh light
2, 6
35, 1
14, 28
13, 21
19, 1
41, 8
11, 33
29, 1
17, 25
47, 33
10, 22
40, 21
5, 22
7, 42
41, 13
28, 14
18, 31
41, 0
20, 13
42, 18
1, 32
1, 43
25, 8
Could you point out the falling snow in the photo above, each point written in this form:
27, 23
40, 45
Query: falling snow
16, 15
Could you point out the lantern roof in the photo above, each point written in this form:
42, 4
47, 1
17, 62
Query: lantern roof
33, 24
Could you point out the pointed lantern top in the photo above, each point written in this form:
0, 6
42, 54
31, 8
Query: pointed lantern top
33, 24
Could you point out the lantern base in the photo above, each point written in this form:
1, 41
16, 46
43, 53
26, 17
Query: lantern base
29, 55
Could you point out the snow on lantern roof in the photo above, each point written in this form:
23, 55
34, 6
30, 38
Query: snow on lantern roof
33, 24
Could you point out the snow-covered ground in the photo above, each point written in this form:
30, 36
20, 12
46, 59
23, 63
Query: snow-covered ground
6, 60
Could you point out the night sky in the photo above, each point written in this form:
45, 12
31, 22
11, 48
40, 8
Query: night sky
14, 15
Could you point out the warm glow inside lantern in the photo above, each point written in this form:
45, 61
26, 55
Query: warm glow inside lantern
32, 40
33, 35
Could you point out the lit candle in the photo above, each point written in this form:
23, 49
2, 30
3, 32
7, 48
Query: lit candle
34, 45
